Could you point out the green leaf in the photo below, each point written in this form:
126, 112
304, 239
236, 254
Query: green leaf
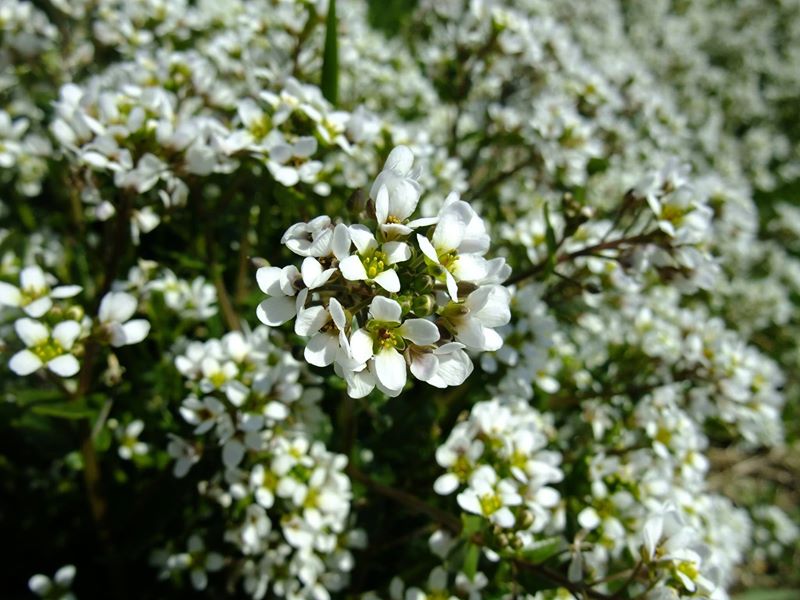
472, 524
541, 550
768, 594
471, 559
550, 236
65, 410
330, 57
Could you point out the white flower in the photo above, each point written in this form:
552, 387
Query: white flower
46, 348
280, 286
489, 497
34, 295
373, 262
116, 310
396, 192
458, 242
483, 310
327, 330
129, 444
185, 455
202, 414
447, 365
319, 237
388, 336
201, 562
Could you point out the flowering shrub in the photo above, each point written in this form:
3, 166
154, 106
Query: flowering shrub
499, 302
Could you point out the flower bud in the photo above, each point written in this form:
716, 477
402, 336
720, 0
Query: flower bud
406, 303
422, 306
423, 284
75, 312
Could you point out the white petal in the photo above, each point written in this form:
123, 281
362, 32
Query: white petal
362, 238
66, 332
31, 332
588, 518
199, 579
310, 320
40, 584
289, 275
66, 291
311, 270
390, 369
33, 279
117, 307
9, 295
490, 305
470, 333
452, 286
360, 346
388, 280
454, 368
382, 205
420, 331
133, 332
321, 349
450, 230
65, 365
353, 269
359, 384
232, 453
385, 309
65, 575
446, 484
337, 313
276, 310
38, 307
427, 248
468, 500
400, 160
341, 241
268, 279
396, 252
504, 518
24, 363
470, 267
423, 222
424, 365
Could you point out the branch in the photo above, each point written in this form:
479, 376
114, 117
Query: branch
587, 251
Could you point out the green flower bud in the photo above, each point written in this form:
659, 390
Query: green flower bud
422, 306
423, 284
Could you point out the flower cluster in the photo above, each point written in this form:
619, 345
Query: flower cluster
55, 337
251, 397
499, 461
377, 302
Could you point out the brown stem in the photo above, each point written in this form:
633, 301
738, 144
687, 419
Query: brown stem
587, 251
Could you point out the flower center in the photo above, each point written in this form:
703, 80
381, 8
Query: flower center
490, 504
217, 379
374, 262
689, 569
47, 351
260, 127
448, 259
30, 294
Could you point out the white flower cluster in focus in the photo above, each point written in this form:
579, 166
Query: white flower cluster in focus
378, 299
